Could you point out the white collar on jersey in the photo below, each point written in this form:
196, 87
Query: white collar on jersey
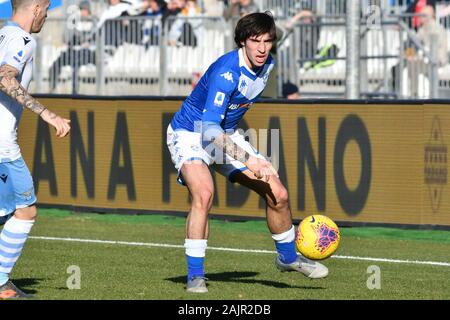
242, 62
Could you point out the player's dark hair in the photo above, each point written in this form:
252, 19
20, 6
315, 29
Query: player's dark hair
255, 24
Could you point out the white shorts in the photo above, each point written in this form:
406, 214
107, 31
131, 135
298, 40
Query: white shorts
187, 146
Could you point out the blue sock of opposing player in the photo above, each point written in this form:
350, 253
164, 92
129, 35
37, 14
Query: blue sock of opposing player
12, 239
195, 254
285, 244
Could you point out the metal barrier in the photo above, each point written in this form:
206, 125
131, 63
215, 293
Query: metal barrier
144, 56
128, 55
288, 8
313, 55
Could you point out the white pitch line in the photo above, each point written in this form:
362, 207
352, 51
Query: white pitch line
163, 245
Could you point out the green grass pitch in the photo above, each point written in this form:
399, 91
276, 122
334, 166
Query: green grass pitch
127, 271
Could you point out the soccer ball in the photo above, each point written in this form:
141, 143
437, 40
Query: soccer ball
318, 237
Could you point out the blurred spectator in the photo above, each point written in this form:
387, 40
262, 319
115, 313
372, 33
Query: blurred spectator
213, 8
120, 8
82, 29
239, 8
290, 91
119, 31
185, 31
80, 51
173, 8
415, 7
309, 33
152, 28
430, 30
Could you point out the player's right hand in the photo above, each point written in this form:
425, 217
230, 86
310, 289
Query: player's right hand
261, 168
61, 125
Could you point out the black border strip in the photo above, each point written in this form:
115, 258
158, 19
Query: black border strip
234, 218
263, 100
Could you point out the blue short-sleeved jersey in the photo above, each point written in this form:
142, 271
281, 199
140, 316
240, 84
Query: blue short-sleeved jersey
224, 93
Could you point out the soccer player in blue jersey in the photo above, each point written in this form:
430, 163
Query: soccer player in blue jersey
17, 198
204, 126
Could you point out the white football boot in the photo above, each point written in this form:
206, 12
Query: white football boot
309, 268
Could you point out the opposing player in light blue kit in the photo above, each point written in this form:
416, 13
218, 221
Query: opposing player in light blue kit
17, 198
201, 134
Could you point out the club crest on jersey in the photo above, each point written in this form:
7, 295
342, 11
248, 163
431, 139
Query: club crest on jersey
219, 99
227, 76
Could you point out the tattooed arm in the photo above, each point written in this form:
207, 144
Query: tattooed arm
11, 86
225, 143
211, 131
261, 168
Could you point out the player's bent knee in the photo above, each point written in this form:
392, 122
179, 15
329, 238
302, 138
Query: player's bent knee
283, 196
28, 213
202, 199
279, 198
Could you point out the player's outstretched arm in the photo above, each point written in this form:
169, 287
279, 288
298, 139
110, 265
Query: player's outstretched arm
11, 86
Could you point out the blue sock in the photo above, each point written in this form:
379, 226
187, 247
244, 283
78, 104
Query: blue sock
195, 267
286, 251
4, 277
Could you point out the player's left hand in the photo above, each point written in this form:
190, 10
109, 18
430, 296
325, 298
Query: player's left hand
261, 168
61, 125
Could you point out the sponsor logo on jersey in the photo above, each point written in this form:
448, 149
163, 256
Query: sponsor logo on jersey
195, 147
19, 56
4, 177
26, 40
243, 84
239, 106
219, 99
227, 76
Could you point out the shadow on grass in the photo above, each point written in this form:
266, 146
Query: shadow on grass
243, 277
24, 284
